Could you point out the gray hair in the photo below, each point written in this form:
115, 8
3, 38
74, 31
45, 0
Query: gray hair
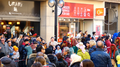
67, 50
40, 54
101, 45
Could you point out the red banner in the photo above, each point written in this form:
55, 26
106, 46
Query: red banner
75, 10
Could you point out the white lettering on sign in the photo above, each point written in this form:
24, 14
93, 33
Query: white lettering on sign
15, 4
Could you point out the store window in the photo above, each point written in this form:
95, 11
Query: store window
18, 27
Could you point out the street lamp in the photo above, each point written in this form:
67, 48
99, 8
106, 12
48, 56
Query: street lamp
56, 3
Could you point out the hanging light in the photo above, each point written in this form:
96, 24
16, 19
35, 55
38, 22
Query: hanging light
61, 3
4, 26
2, 23
51, 3
9, 23
18, 23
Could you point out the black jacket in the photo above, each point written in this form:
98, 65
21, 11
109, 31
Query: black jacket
62, 63
76, 64
53, 59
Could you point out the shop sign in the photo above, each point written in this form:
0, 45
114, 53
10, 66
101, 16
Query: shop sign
100, 11
76, 10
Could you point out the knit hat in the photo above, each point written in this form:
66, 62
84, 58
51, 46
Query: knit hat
81, 46
15, 48
75, 58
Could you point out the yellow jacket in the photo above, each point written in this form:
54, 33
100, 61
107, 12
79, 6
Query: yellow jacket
118, 59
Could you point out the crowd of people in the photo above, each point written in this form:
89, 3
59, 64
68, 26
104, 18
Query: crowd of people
82, 51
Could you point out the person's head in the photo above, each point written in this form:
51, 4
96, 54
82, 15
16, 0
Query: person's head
94, 33
52, 39
37, 37
43, 41
15, 48
26, 41
40, 48
58, 47
40, 54
67, 39
87, 44
105, 33
75, 58
0, 35
40, 59
9, 43
92, 43
14, 39
87, 63
86, 32
89, 36
37, 64
26, 37
59, 56
66, 50
20, 36
113, 50
81, 47
85, 35
48, 51
100, 44
103, 39
35, 43
107, 37
113, 47
2, 40
80, 31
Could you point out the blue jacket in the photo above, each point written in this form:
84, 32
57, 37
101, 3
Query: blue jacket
92, 49
101, 58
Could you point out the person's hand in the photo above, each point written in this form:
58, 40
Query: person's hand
14, 53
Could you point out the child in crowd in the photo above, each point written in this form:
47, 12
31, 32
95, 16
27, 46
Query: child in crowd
58, 50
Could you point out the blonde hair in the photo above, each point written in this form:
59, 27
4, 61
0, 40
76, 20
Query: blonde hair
92, 43
41, 60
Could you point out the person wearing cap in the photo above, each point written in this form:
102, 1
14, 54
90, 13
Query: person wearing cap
82, 52
14, 39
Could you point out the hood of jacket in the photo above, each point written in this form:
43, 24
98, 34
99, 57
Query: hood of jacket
52, 58
75, 58
33, 55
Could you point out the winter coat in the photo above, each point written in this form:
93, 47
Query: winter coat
75, 49
92, 49
101, 58
8, 62
83, 55
31, 59
67, 58
62, 63
108, 44
29, 51
53, 59
71, 50
4, 48
76, 64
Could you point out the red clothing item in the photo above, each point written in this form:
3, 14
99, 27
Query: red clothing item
24, 43
108, 44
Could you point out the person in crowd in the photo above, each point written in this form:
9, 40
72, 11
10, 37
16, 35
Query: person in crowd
42, 60
86, 32
117, 43
14, 43
64, 38
87, 63
22, 40
34, 45
88, 37
118, 60
7, 62
115, 35
92, 46
37, 64
87, 47
75, 60
53, 43
38, 39
4, 46
103, 39
16, 56
58, 50
23, 54
94, 34
44, 44
19, 38
51, 56
11, 49
82, 52
99, 57
28, 48
66, 43
1, 36
105, 35
66, 53
108, 43
61, 62
70, 48
79, 34
113, 53
84, 39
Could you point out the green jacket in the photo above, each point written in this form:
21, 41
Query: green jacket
75, 49
83, 55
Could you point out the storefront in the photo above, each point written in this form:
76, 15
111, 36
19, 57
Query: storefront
20, 16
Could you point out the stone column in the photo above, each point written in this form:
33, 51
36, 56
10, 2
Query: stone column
118, 25
47, 21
